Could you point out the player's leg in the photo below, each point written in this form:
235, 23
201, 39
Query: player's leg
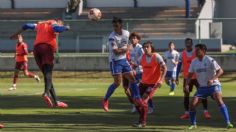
15, 77
186, 100
55, 99
44, 57
223, 108
30, 74
141, 107
127, 90
192, 112
47, 73
133, 85
204, 101
117, 76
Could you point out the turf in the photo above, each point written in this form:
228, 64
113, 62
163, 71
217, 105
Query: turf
24, 109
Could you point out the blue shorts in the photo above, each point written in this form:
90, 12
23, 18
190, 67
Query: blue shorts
171, 75
204, 92
120, 66
138, 76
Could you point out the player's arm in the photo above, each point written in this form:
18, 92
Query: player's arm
163, 69
179, 66
176, 60
60, 28
117, 50
190, 74
219, 72
24, 27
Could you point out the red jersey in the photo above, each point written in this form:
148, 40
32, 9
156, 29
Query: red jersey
21, 52
151, 71
186, 60
45, 34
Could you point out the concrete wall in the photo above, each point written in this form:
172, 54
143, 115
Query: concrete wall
226, 9
40, 3
95, 44
110, 3
5, 3
97, 63
203, 26
161, 3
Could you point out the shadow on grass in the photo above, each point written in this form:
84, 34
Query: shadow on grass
86, 113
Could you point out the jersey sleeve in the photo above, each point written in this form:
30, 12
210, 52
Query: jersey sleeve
177, 57
160, 59
29, 26
215, 65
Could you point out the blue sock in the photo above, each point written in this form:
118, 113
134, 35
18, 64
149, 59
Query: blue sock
135, 90
225, 113
110, 91
150, 103
172, 86
192, 117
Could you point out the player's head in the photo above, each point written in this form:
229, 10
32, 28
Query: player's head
188, 44
134, 38
19, 38
171, 46
148, 47
200, 50
117, 24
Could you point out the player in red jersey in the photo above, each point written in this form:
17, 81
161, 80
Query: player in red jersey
21, 62
45, 46
154, 71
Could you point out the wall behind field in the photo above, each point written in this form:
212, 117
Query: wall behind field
97, 63
226, 9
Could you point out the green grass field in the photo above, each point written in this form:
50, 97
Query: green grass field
24, 109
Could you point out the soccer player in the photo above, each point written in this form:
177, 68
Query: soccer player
119, 66
21, 62
171, 58
45, 46
154, 70
207, 73
185, 59
136, 52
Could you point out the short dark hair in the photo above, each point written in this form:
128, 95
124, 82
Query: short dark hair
201, 47
150, 43
135, 34
171, 42
117, 20
189, 39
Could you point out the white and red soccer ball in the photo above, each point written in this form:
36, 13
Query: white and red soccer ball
94, 14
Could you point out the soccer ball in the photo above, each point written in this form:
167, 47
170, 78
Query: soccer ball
94, 14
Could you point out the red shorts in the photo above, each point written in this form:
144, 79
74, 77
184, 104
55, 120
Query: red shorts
193, 82
148, 89
23, 65
43, 54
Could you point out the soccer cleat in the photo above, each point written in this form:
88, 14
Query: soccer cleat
139, 125
230, 126
207, 115
48, 101
133, 110
12, 88
192, 127
105, 105
1, 126
184, 116
37, 78
150, 110
61, 104
172, 93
